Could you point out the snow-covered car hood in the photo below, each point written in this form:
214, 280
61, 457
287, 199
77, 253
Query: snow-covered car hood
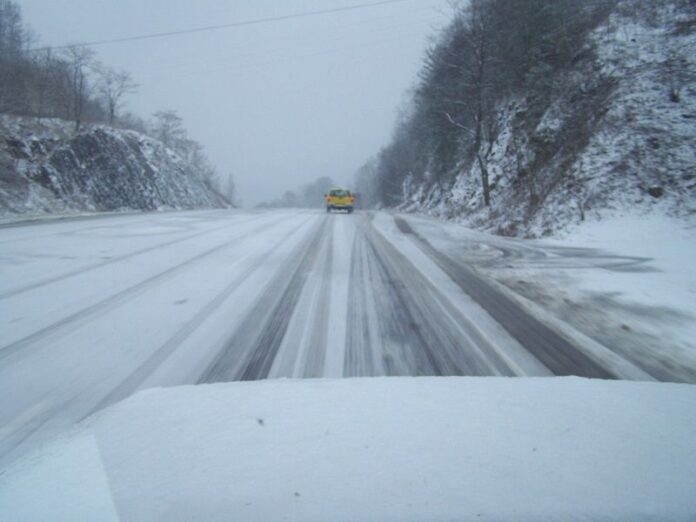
372, 449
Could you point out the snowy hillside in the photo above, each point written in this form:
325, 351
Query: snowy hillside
616, 131
44, 168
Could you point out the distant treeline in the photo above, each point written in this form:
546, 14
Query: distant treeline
309, 195
71, 84
492, 51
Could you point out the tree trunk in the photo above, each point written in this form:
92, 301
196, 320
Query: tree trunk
484, 180
478, 142
481, 76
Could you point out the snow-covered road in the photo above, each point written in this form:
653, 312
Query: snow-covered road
92, 310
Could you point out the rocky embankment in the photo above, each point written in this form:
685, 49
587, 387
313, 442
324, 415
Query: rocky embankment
46, 168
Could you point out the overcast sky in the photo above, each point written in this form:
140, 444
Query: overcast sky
276, 104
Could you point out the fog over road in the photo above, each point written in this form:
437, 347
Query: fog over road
94, 309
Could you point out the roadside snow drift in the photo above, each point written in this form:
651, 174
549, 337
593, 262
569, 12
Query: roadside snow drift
379, 449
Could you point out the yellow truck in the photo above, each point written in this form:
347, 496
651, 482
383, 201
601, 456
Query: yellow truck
340, 199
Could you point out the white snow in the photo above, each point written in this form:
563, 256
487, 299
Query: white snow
639, 154
37, 150
669, 286
343, 237
631, 279
119, 291
515, 355
82, 493
92, 310
373, 449
669, 244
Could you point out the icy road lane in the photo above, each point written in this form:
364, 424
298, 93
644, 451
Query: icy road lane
94, 309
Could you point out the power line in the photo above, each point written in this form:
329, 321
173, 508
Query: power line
253, 57
256, 21
233, 67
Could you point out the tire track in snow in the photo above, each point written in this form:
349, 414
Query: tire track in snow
29, 422
78, 318
363, 336
303, 350
137, 377
13, 436
316, 350
250, 351
94, 266
71, 219
559, 355
409, 328
337, 305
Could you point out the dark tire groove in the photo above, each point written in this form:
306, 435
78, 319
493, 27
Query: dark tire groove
558, 354
100, 264
131, 383
316, 355
249, 354
420, 331
444, 349
77, 318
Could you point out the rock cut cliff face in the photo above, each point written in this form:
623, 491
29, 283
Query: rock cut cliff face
44, 168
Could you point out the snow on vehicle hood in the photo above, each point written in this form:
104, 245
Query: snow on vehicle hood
372, 449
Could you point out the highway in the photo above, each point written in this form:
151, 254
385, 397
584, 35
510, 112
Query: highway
93, 310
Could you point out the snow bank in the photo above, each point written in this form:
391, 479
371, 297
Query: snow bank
668, 243
658, 303
379, 449
625, 281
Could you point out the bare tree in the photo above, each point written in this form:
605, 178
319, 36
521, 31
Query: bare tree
129, 120
230, 190
13, 41
475, 90
42, 81
113, 85
365, 182
492, 51
80, 59
168, 128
